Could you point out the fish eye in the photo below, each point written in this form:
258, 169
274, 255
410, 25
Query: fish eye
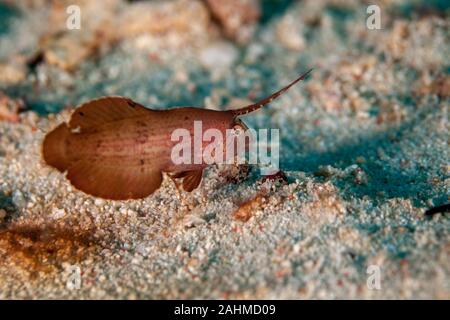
238, 129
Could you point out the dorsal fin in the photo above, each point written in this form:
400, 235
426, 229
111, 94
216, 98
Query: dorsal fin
104, 110
255, 106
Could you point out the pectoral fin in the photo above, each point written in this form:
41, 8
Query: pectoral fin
191, 179
114, 182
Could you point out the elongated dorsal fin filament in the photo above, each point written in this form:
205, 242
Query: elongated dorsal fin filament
261, 103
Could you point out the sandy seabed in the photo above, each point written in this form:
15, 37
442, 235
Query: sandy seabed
364, 145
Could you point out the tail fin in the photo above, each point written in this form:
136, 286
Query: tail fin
259, 104
54, 147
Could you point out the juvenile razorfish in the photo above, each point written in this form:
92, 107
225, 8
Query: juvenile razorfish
115, 148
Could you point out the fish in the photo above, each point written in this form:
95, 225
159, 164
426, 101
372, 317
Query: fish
115, 148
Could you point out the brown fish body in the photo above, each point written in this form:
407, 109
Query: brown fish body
134, 141
121, 156
115, 148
